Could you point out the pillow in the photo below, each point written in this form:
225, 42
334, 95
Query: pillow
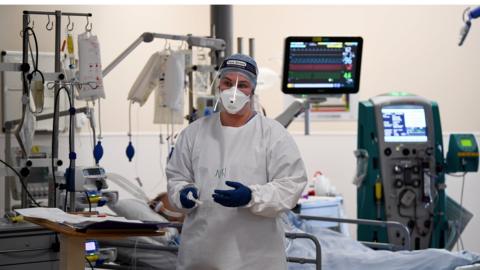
139, 210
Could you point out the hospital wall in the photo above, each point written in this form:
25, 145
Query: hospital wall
406, 48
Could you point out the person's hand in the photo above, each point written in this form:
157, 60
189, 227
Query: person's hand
239, 196
186, 203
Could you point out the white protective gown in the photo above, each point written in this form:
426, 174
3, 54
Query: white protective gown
261, 155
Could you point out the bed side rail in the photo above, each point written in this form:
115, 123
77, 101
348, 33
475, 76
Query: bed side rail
385, 224
318, 250
317, 261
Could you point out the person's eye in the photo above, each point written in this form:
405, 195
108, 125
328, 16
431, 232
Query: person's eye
225, 84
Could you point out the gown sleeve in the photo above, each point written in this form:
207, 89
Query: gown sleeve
287, 178
179, 171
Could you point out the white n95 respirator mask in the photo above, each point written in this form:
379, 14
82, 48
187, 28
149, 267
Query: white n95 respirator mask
233, 100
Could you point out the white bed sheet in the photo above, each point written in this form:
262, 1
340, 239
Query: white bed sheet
341, 252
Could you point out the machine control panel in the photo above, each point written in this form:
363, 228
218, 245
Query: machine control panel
407, 165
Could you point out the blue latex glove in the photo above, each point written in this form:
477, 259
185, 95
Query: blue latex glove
239, 196
186, 203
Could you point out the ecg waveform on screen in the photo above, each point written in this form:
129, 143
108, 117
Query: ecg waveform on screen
316, 56
315, 75
323, 67
313, 63
317, 60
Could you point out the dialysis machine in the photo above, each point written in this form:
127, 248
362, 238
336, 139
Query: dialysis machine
400, 140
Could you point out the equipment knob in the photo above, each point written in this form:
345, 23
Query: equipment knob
397, 169
398, 183
416, 183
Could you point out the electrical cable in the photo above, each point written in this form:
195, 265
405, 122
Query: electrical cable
30, 29
460, 240
89, 202
461, 212
89, 263
26, 80
22, 183
55, 109
35, 64
31, 54
34, 61
65, 202
56, 245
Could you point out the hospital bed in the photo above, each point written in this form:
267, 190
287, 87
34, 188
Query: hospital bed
308, 246
137, 251
341, 252
318, 255
312, 246
317, 261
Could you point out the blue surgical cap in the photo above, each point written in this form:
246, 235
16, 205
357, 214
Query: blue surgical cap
240, 63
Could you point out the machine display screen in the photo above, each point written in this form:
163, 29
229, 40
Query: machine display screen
93, 172
404, 123
322, 65
90, 246
466, 143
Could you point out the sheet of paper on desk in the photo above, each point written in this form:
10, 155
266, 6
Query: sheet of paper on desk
83, 224
57, 215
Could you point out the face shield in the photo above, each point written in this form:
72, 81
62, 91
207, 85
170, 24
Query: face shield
232, 99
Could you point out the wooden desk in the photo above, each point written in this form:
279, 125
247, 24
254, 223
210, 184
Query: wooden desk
72, 243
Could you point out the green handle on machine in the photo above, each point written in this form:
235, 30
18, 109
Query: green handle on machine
462, 153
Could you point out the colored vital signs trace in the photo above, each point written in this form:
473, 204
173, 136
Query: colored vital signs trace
322, 64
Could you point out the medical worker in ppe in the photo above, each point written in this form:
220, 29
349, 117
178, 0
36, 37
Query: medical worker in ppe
232, 173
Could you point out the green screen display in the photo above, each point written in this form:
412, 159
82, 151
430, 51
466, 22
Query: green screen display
466, 142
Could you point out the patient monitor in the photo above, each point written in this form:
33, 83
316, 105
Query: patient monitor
405, 177
322, 65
